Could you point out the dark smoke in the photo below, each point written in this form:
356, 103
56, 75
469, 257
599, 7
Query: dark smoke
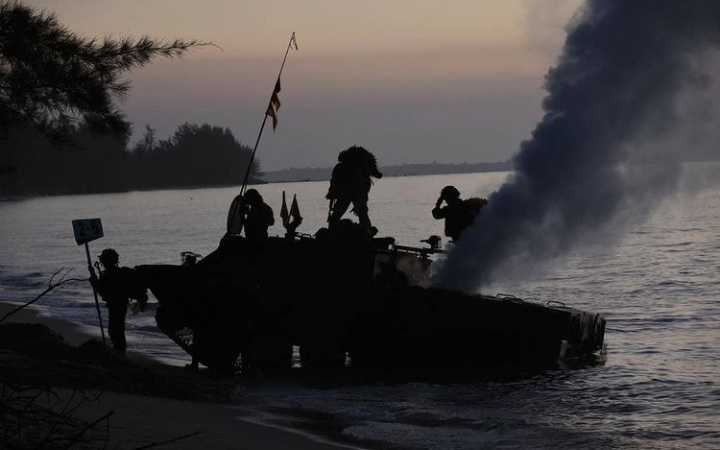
624, 95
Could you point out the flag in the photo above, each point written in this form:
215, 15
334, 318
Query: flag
295, 210
284, 213
274, 105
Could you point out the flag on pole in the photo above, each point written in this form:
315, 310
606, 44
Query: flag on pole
284, 214
274, 105
271, 110
295, 210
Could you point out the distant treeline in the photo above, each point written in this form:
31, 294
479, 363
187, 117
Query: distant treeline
85, 162
323, 173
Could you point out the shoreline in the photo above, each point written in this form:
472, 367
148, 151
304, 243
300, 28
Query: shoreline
26, 196
73, 334
141, 419
289, 179
312, 179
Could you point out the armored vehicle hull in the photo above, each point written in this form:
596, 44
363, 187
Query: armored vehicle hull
351, 302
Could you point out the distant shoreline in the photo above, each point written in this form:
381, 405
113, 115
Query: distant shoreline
18, 197
293, 175
311, 174
305, 174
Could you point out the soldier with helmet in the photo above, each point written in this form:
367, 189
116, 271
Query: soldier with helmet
458, 213
350, 183
250, 212
117, 285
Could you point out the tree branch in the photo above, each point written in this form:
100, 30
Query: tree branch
52, 284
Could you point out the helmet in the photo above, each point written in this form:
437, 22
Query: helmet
253, 197
449, 192
109, 257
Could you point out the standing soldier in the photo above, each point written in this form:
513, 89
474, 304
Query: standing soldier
350, 183
117, 285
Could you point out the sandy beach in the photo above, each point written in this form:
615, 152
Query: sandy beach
141, 420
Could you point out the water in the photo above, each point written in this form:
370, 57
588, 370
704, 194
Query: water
659, 288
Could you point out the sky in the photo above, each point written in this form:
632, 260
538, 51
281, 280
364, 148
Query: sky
414, 81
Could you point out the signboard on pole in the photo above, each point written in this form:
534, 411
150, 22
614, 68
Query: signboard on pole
87, 230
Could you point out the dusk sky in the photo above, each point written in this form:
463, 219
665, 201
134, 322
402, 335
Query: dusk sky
413, 81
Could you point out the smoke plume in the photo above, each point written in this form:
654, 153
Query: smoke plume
626, 103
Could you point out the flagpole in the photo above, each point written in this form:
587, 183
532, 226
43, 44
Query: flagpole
264, 121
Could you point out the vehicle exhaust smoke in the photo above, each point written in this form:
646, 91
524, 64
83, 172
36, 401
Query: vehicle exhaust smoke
627, 102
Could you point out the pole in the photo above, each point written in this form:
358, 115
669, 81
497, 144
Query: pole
264, 121
97, 304
252, 156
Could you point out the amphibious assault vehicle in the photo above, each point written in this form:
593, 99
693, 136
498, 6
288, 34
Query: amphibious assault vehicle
350, 301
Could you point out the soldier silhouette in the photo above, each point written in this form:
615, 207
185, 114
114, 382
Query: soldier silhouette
117, 285
251, 213
350, 183
458, 213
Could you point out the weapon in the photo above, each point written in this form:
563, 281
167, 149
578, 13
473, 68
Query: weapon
330, 209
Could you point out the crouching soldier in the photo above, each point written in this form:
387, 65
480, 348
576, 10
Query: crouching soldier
252, 213
117, 285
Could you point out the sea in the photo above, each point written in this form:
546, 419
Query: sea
658, 285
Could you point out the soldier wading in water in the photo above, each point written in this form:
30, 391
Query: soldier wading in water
350, 183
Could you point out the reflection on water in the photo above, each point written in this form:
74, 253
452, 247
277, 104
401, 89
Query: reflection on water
659, 288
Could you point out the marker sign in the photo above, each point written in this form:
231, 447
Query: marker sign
87, 230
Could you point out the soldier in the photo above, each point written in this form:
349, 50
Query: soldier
350, 183
253, 214
117, 285
458, 213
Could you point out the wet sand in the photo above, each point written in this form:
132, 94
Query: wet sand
71, 333
139, 420
142, 420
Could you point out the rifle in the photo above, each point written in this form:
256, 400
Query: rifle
330, 209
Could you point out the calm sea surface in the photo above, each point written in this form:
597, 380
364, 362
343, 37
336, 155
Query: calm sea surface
659, 288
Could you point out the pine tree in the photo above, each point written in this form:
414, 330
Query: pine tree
52, 79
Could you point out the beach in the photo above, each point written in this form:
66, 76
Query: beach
141, 420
